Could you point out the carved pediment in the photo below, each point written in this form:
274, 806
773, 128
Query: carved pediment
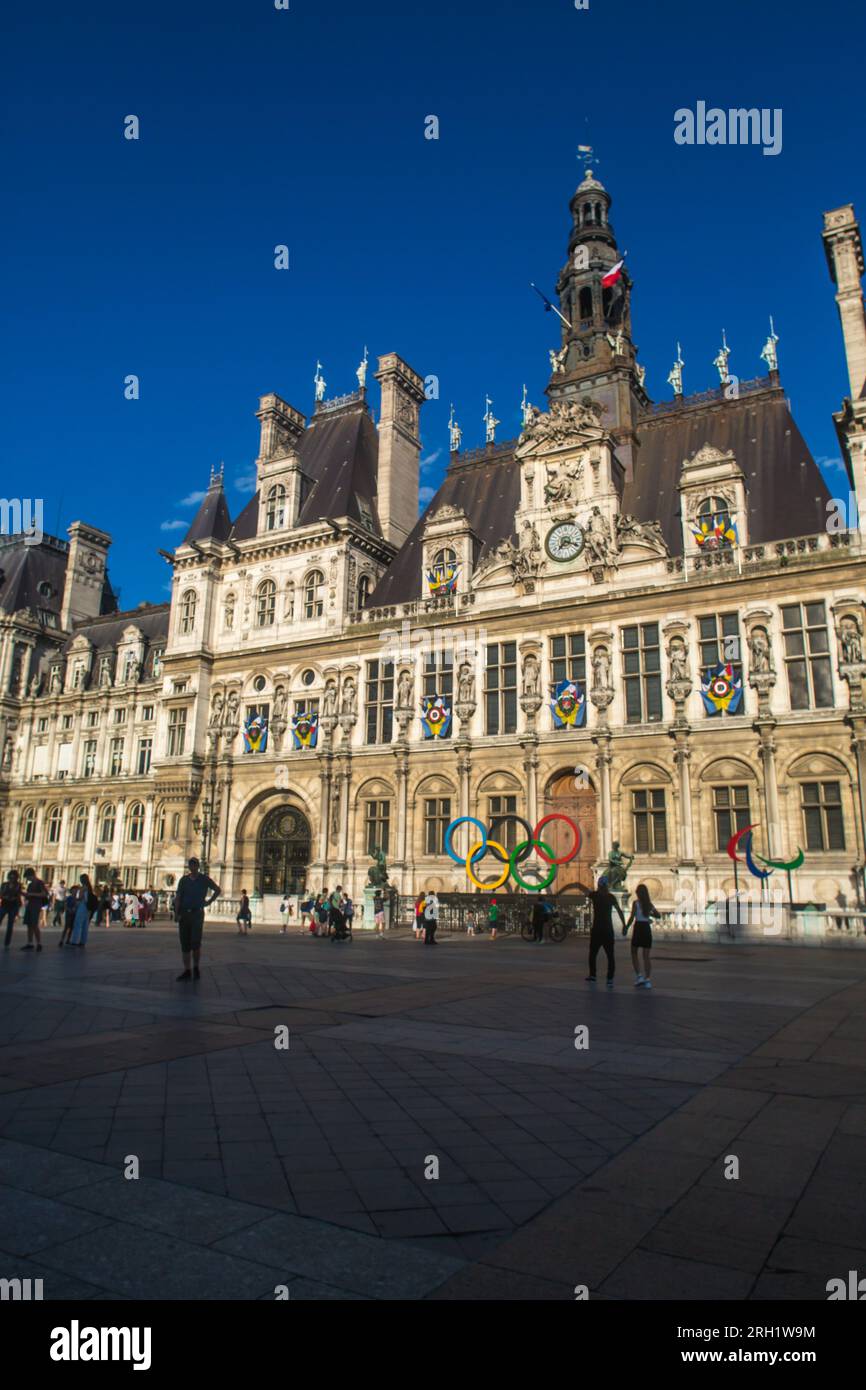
566, 423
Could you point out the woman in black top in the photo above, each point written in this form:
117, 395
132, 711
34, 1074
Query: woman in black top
642, 912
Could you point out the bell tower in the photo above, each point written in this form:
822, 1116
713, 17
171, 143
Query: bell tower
597, 359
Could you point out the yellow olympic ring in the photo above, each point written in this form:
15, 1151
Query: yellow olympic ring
488, 887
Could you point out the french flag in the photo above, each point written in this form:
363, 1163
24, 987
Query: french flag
612, 276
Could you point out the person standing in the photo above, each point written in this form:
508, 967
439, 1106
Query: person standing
11, 897
190, 901
431, 919
58, 898
418, 924
493, 917
604, 904
36, 896
68, 916
348, 913
540, 910
86, 903
323, 912
336, 916
284, 914
104, 905
244, 916
640, 919
379, 913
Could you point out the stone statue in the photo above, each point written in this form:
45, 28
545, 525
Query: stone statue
601, 669
599, 547
466, 684
618, 865
7, 753
335, 812
679, 660
290, 599
229, 613
35, 686
557, 360
361, 372
850, 640
378, 873
628, 528
56, 686
216, 711
531, 675
404, 691
640, 373
105, 675
280, 702
329, 700
233, 712
349, 703
759, 648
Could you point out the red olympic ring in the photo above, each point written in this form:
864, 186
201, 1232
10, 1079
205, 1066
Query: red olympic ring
575, 830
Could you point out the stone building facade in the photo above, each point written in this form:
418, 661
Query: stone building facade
630, 547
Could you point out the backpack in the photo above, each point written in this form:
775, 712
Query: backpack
430, 912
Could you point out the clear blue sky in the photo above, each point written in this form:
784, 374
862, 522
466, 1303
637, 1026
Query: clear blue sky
306, 127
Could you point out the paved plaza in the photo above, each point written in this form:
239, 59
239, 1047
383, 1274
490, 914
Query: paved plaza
307, 1166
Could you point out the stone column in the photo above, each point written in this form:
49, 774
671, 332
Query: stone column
682, 757
401, 755
601, 695
767, 751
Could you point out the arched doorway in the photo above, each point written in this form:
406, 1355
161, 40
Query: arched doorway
579, 804
283, 851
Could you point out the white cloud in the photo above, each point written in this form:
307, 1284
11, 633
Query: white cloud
173, 525
246, 483
192, 500
429, 461
426, 494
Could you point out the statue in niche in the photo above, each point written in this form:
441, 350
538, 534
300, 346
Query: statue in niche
759, 649
329, 700
850, 640
466, 684
229, 613
404, 690
679, 660
601, 669
349, 702
216, 711
531, 675
599, 546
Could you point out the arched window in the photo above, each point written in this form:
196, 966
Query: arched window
586, 302
714, 518
79, 825
28, 826
363, 590
314, 604
107, 821
443, 561
275, 514
187, 612
55, 820
160, 825
266, 603
135, 824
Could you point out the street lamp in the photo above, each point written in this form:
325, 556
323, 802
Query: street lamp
205, 825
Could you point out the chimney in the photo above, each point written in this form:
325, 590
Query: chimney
845, 259
85, 574
399, 447
278, 464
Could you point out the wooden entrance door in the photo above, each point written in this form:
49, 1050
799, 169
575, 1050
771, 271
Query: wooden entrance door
579, 804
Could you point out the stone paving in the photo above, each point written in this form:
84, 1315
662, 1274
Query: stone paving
306, 1167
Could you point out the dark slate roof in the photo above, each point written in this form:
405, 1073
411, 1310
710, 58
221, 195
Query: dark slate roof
786, 494
212, 520
25, 567
338, 454
487, 489
150, 618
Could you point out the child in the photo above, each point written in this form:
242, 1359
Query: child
284, 914
471, 922
642, 912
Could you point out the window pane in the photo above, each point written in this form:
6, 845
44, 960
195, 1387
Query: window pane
797, 685
641, 835
791, 616
815, 616
823, 683
660, 833
654, 697
835, 828
814, 835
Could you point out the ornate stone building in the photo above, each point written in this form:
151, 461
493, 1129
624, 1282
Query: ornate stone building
677, 562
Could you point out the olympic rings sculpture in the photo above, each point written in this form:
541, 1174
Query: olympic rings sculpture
518, 855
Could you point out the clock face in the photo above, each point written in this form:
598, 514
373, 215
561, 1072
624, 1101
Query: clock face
565, 541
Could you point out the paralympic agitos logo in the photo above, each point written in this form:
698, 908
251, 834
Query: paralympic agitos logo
518, 855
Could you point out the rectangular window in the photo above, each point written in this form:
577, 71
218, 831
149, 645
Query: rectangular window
641, 664
41, 726
720, 642
93, 718
437, 815
380, 701
500, 688
568, 658
505, 833
807, 655
438, 678
650, 821
116, 759
731, 808
88, 763
176, 732
377, 826
307, 706
120, 716
66, 721
145, 751
822, 814
147, 713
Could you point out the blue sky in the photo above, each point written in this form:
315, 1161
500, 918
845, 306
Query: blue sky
306, 128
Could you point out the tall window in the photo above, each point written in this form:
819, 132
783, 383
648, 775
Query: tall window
500, 688
107, 822
363, 590
443, 561
93, 719
380, 701
160, 825
377, 826
116, 760
716, 512
55, 820
314, 603
28, 826
79, 825
807, 655
641, 660
78, 675
176, 732
503, 806
135, 824
650, 821
156, 665
120, 716
275, 516
187, 612
437, 815
438, 676
720, 642
731, 809
568, 658
266, 604
822, 814
145, 752
88, 761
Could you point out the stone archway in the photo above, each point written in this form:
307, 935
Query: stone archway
579, 804
283, 851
